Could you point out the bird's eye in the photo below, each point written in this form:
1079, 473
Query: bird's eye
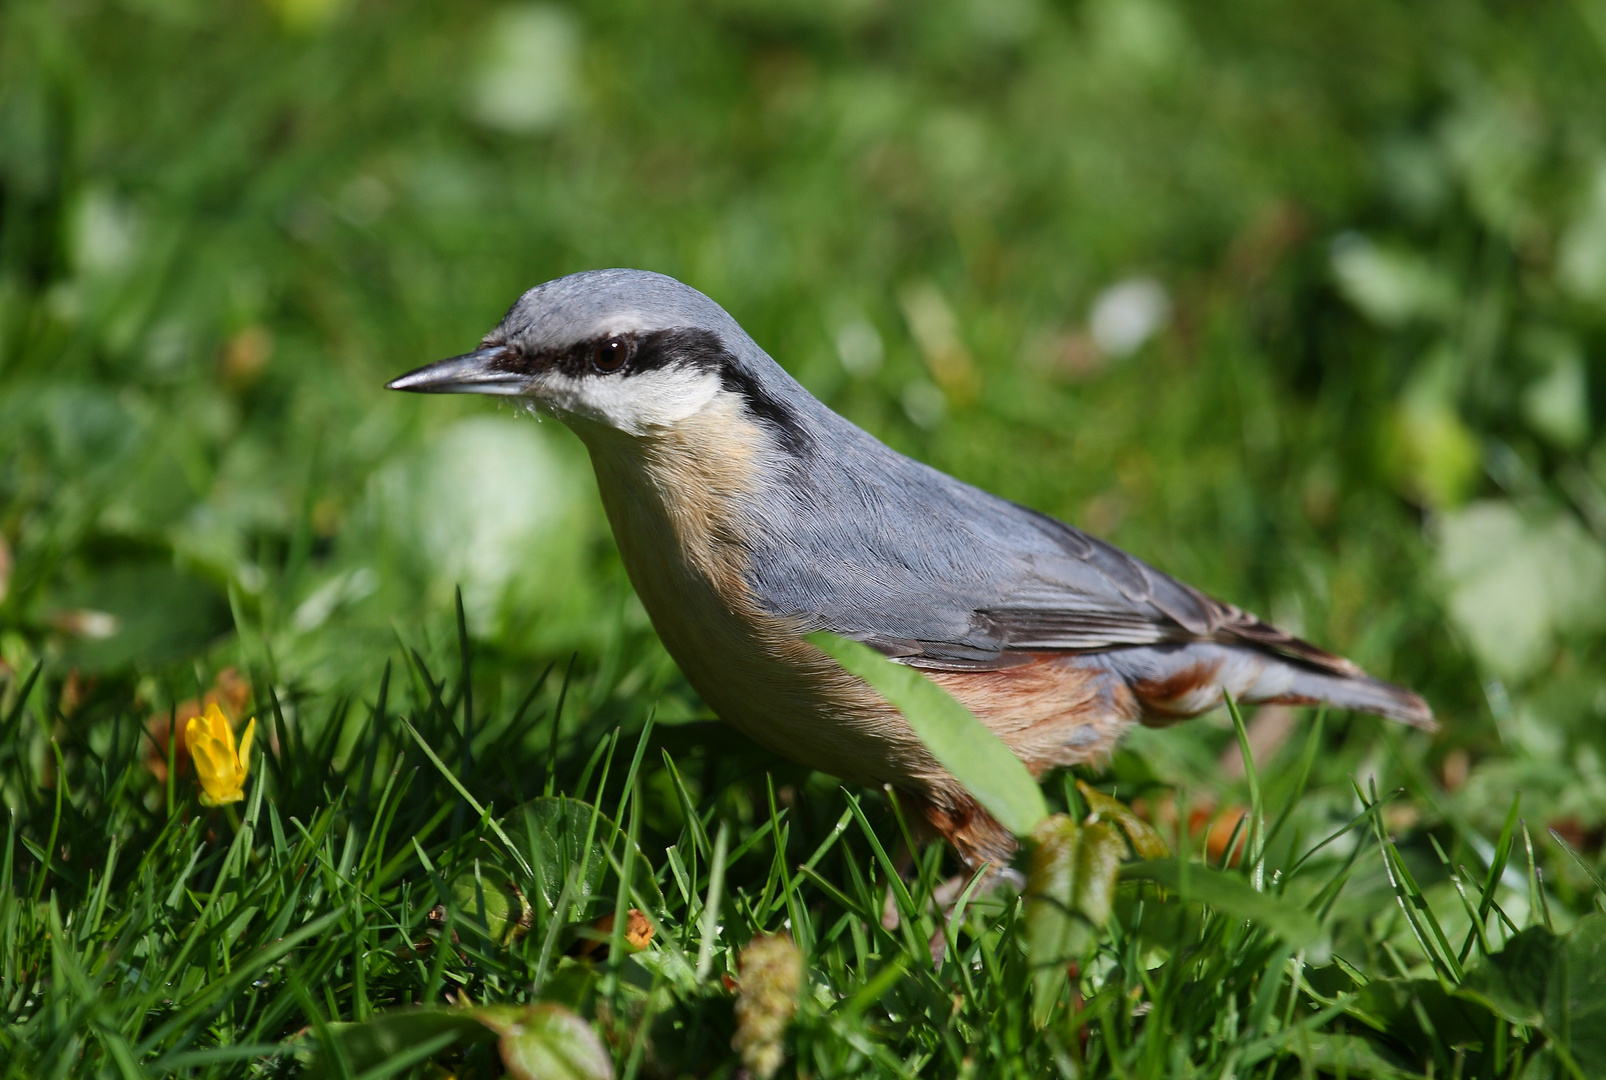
611, 355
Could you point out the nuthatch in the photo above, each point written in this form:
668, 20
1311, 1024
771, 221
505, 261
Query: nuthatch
749, 514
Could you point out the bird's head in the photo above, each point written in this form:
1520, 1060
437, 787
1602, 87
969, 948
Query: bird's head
611, 351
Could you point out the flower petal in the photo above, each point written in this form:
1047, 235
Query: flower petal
245, 748
194, 732
203, 752
219, 767
218, 724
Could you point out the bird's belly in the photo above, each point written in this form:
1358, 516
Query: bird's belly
757, 674
681, 540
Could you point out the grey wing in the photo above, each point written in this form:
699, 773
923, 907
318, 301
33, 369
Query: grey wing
1195, 649
945, 575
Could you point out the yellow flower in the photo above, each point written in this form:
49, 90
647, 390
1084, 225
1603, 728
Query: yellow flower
222, 770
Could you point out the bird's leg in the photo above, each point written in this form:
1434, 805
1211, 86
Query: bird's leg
973, 835
953, 814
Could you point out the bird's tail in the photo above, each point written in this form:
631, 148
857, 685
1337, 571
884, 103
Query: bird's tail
1172, 682
1359, 692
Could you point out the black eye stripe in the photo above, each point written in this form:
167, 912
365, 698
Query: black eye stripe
647, 352
687, 347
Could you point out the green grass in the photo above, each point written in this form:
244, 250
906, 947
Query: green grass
364, 874
1372, 414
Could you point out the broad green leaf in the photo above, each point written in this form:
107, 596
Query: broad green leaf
979, 759
1341, 1055
546, 1042
148, 613
1514, 980
393, 1034
1054, 935
506, 913
536, 1042
1411, 1012
551, 833
1556, 984
1069, 891
1146, 840
571, 983
1228, 895
1099, 853
1396, 1006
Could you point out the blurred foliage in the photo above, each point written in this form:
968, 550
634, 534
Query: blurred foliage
1306, 305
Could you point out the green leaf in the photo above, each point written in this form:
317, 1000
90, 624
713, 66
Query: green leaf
1099, 853
1396, 1006
536, 1042
546, 1042
1556, 984
553, 834
1054, 935
1069, 892
391, 1035
506, 913
1146, 840
964, 745
1513, 982
1228, 895
146, 613
1342, 1055
570, 983
1051, 934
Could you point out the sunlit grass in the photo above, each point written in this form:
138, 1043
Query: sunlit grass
1356, 389
381, 864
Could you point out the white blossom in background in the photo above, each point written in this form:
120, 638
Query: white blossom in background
1581, 254
105, 234
924, 403
1127, 314
345, 588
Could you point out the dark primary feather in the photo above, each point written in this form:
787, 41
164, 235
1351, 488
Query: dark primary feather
1184, 612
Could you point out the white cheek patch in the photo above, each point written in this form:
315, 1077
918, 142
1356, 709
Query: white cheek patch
635, 404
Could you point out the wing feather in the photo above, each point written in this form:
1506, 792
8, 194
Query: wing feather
942, 574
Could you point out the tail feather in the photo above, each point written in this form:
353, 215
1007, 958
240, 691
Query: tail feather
1362, 693
1176, 681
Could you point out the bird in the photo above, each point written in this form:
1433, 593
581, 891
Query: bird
749, 514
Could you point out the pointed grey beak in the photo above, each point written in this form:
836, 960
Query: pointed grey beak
472, 373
